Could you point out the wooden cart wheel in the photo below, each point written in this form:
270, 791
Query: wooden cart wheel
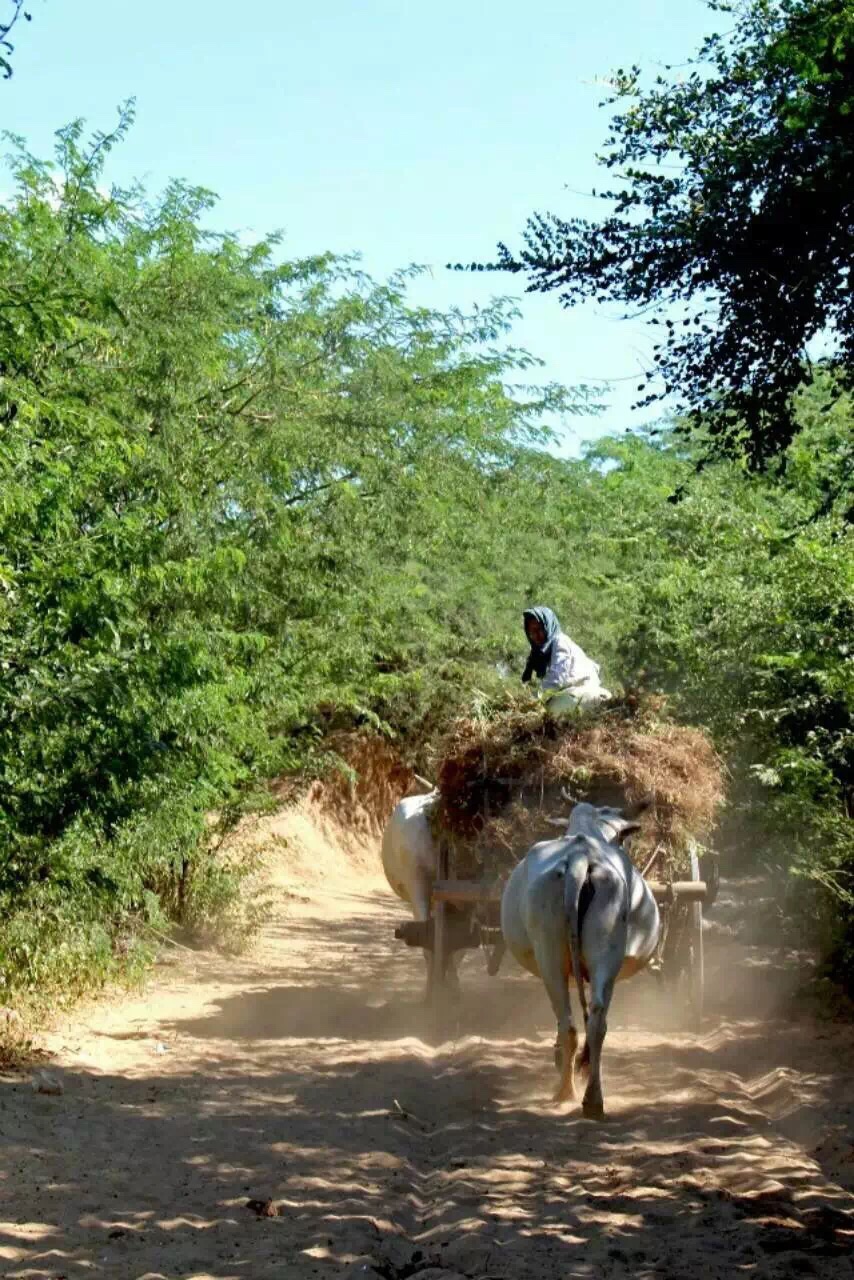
696, 970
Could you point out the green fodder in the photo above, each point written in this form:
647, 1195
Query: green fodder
505, 771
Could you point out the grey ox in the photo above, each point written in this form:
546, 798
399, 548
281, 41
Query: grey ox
576, 909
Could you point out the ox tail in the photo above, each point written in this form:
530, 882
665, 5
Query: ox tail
574, 881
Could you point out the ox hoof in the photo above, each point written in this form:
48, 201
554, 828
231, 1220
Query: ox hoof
565, 1092
593, 1111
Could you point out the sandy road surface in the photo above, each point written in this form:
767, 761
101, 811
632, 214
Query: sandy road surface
303, 1072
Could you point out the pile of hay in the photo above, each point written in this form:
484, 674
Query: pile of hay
501, 774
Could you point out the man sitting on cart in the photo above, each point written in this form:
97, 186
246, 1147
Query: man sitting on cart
567, 676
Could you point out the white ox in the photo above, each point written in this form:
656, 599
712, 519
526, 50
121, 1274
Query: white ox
577, 909
409, 856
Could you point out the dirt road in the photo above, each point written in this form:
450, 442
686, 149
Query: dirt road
302, 1073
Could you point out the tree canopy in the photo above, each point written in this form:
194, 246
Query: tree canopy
239, 495
247, 499
731, 225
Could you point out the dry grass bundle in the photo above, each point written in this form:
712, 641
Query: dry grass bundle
377, 780
502, 775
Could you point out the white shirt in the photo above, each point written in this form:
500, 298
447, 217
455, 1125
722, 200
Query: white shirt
569, 665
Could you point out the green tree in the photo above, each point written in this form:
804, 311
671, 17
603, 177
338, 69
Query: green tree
231, 488
748, 625
732, 226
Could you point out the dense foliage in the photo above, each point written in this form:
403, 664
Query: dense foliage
742, 609
244, 500
731, 225
239, 498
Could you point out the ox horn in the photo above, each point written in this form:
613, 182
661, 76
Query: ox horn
565, 793
424, 782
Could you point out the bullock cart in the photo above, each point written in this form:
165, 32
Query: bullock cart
500, 779
465, 915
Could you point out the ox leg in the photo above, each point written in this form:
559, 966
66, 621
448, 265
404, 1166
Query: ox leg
582, 1064
421, 911
604, 943
547, 927
593, 1103
566, 1043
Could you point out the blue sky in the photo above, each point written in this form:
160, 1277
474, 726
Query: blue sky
409, 132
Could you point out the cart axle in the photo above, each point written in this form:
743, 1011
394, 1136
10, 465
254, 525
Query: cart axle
461, 933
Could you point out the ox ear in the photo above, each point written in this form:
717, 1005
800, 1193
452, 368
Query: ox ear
628, 830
